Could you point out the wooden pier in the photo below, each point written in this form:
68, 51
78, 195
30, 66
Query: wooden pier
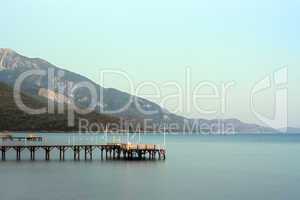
107, 151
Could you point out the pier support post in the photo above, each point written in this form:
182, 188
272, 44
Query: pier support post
114, 153
119, 154
164, 154
78, 153
74, 154
47, 153
74, 150
62, 150
85, 152
18, 151
3, 150
33, 153
63, 156
31, 156
91, 153
60, 153
139, 155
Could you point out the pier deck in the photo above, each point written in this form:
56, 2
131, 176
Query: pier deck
108, 151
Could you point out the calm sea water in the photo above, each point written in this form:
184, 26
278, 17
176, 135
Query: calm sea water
247, 167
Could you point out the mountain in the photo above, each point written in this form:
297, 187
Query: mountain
13, 119
12, 65
290, 130
227, 126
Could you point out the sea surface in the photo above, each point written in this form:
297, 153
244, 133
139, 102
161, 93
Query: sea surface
207, 167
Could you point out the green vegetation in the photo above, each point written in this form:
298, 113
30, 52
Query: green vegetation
13, 119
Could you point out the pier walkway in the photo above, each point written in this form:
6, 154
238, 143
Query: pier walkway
108, 151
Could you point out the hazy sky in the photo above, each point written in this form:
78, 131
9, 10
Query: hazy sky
155, 40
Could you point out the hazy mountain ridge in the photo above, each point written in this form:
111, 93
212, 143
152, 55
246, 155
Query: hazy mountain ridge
13, 64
